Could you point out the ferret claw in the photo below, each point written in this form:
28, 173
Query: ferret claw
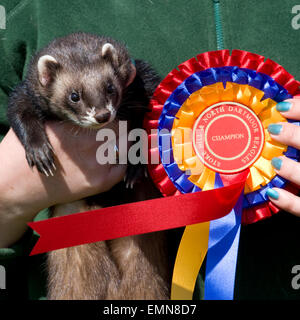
134, 174
41, 156
50, 146
45, 172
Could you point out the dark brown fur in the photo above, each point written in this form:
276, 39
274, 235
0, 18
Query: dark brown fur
127, 268
79, 66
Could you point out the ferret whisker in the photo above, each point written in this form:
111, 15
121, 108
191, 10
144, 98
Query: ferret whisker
76, 132
91, 131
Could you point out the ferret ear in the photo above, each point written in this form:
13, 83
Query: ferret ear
108, 51
47, 67
132, 75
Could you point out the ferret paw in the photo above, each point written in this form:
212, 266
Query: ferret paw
135, 174
42, 157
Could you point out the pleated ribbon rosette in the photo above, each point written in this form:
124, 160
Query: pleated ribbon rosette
211, 115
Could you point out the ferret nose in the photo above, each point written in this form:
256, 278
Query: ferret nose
102, 117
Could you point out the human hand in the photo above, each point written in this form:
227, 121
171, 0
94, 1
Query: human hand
24, 192
288, 134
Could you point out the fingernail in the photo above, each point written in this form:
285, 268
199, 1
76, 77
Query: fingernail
276, 163
283, 106
274, 128
273, 194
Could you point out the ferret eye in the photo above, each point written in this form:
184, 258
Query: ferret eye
110, 89
74, 97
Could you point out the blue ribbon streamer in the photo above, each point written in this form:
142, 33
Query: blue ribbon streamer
223, 243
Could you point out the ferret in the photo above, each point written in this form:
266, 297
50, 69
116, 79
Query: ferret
91, 81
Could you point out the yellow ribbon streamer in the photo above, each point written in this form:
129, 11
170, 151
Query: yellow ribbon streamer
191, 253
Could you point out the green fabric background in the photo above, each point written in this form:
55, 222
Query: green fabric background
165, 33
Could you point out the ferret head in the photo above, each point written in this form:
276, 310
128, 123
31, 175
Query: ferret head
86, 90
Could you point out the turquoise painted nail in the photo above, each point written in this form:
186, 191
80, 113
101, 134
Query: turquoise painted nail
283, 106
274, 128
276, 163
273, 194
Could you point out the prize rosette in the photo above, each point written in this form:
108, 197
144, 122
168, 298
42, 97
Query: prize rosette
211, 117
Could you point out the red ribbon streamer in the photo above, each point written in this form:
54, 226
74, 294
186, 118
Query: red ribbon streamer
136, 218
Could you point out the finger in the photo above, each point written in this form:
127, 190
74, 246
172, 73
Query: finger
287, 168
286, 133
285, 200
290, 108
